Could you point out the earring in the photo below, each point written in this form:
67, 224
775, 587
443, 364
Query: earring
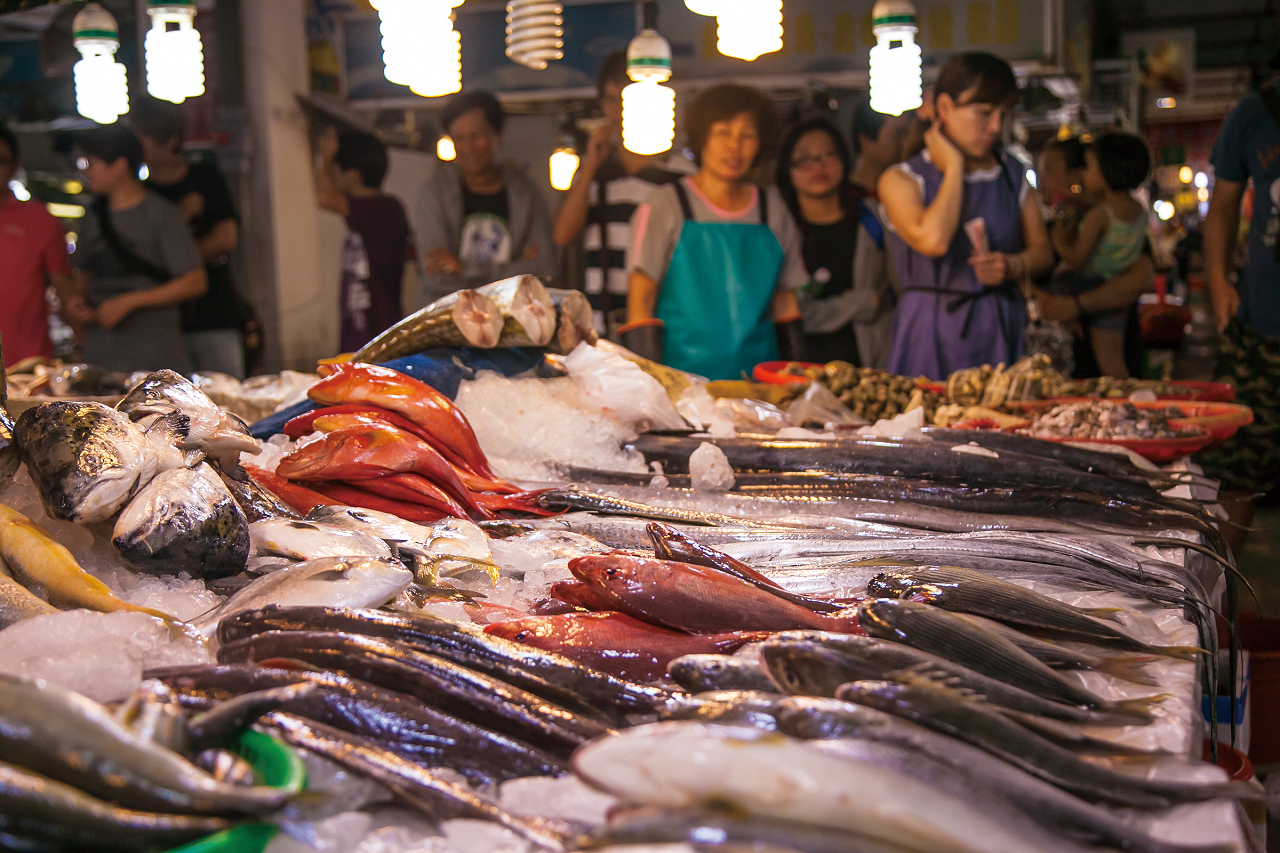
1076, 189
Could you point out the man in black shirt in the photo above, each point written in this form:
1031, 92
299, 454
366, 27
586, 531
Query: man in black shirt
211, 324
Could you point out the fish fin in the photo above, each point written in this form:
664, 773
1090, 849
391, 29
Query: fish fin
934, 680
1108, 613
173, 429
1130, 668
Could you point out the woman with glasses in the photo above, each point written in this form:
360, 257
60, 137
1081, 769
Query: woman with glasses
715, 260
849, 300
966, 230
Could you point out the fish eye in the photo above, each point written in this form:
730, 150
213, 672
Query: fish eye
521, 636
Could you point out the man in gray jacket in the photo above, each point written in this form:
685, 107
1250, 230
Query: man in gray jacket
479, 220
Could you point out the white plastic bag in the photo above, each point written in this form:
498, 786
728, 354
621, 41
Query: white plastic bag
619, 387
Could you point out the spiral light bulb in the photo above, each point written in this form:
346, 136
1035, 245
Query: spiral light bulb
174, 53
747, 29
102, 86
563, 164
648, 107
895, 59
420, 47
535, 32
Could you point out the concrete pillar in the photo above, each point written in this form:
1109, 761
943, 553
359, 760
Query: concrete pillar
282, 240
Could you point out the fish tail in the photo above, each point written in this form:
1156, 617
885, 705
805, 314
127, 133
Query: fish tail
1137, 708
1179, 652
1130, 668
1108, 613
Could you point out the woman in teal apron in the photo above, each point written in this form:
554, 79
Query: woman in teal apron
714, 260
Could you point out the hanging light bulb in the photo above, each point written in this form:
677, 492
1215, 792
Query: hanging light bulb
102, 87
563, 164
535, 32
444, 148
175, 56
420, 47
747, 29
895, 59
648, 107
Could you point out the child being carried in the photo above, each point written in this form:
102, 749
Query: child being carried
1108, 239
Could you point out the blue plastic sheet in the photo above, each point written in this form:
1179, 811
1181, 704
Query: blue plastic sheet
442, 368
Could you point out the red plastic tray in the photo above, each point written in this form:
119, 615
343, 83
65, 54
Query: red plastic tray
1218, 420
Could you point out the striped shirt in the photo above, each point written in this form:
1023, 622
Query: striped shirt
622, 193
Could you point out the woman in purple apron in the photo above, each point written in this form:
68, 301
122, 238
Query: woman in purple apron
962, 305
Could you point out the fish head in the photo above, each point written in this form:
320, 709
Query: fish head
889, 585
610, 571
802, 668
308, 460
354, 383
698, 672
526, 631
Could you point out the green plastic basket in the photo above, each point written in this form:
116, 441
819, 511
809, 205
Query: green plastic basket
279, 767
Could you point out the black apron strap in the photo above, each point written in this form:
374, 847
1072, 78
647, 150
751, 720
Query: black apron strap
764, 206
683, 196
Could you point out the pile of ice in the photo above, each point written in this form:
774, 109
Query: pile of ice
101, 655
530, 427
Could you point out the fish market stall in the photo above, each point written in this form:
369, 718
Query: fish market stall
487, 597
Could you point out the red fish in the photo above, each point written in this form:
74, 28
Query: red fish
579, 594
616, 643
301, 498
416, 489
695, 598
417, 401
371, 450
343, 493
335, 417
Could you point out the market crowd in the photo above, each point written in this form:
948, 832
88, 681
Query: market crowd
916, 244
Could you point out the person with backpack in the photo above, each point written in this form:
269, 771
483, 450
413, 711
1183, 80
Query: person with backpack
136, 262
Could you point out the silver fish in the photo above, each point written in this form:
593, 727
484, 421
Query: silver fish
682, 764
88, 460
462, 318
528, 317
74, 740
324, 582
184, 520
308, 540
218, 434
831, 719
